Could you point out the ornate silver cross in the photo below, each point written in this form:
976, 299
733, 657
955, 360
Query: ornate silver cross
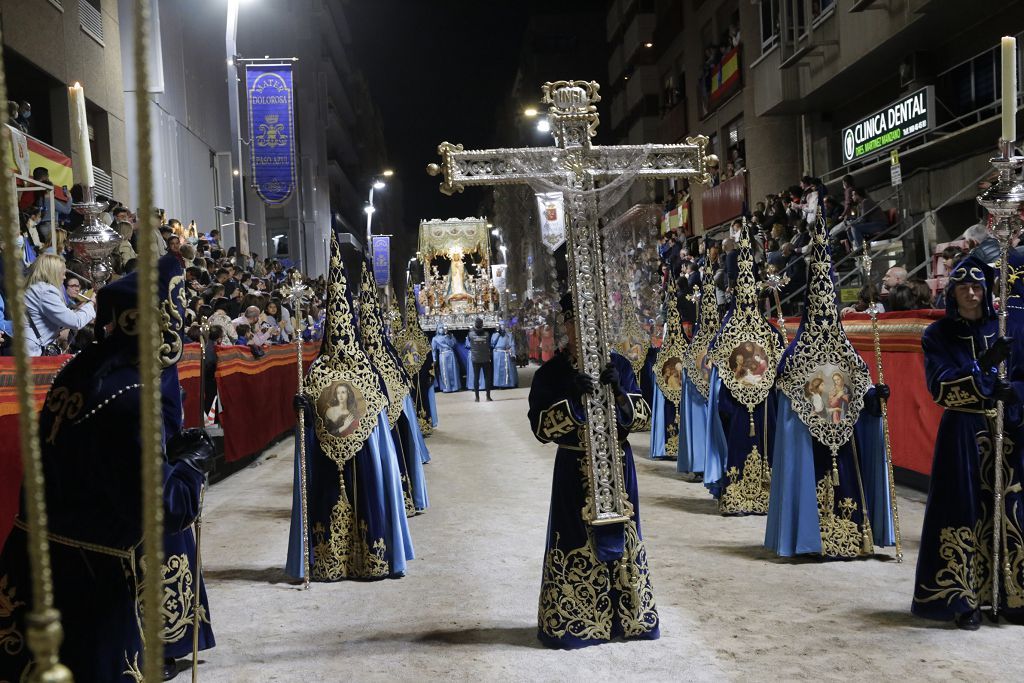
581, 171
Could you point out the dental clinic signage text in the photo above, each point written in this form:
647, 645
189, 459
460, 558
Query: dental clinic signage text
903, 119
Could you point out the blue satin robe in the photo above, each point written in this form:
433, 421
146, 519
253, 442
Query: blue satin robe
664, 425
446, 363
693, 423
506, 374
595, 583
953, 566
374, 540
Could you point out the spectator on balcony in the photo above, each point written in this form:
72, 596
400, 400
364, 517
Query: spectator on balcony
901, 298
38, 198
981, 243
922, 293
833, 211
849, 205
220, 318
870, 220
734, 34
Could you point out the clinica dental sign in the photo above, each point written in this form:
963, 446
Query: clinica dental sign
903, 119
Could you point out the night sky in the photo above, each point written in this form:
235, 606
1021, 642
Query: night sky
438, 70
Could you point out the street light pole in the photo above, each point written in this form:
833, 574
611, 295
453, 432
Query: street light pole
237, 183
369, 218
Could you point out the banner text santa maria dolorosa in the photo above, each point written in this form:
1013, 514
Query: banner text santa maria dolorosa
272, 127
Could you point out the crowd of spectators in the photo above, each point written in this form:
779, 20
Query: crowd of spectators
239, 294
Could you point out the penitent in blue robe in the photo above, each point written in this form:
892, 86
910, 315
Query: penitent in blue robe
93, 497
506, 374
446, 363
693, 419
806, 513
466, 363
369, 538
595, 584
411, 451
954, 565
716, 449
664, 424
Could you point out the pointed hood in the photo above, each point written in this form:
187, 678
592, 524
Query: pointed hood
377, 346
341, 383
411, 343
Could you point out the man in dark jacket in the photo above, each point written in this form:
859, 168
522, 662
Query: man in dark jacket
480, 354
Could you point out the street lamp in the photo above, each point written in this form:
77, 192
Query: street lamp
377, 184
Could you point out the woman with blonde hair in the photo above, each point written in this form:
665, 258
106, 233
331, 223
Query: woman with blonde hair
47, 313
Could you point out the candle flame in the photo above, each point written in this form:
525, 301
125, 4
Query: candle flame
77, 84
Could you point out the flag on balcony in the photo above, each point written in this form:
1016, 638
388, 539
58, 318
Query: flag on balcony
726, 77
29, 153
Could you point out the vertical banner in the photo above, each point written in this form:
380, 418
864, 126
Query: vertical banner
498, 277
381, 250
272, 128
551, 208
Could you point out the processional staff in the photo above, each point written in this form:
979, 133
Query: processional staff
297, 293
45, 633
1004, 200
883, 402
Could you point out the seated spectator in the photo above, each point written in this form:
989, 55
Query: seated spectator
870, 219
49, 319
73, 291
244, 335
867, 295
902, 298
922, 293
221, 319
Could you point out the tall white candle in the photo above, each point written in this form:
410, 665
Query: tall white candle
1009, 72
80, 136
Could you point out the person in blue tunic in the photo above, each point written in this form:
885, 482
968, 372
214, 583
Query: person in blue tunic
90, 445
506, 374
180, 552
595, 584
830, 484
388, 364
693, 414
668, 371
746, 353
464, 354
962, 353
418, 360
355, 505
445, 361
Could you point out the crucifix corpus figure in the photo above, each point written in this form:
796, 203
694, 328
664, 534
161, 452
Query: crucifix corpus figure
592, 179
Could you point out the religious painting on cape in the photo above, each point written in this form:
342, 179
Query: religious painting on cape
828, 391
341, 407
411, 356
672, 372
749, 362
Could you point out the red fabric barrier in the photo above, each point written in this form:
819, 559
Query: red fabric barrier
257, 394
43, 371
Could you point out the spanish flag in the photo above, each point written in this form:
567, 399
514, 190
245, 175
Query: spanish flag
726, 76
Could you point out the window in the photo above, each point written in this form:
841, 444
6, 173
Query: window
769, 24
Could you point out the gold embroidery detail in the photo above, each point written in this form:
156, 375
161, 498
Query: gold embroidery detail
371, 333
575, 597
840, 535
696, 361
637, 611
575, 594
967, 552
960, 393
641, 413
178, 599
338, 556
748, 493
410, 507
134, 670
556, 422
12, 641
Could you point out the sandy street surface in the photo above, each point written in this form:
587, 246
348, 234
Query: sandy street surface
467, 608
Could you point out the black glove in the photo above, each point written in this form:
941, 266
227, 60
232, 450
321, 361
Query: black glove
1005, 392
610, 377
995, 354
582, 383
882, 391
193, 447
301, 402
